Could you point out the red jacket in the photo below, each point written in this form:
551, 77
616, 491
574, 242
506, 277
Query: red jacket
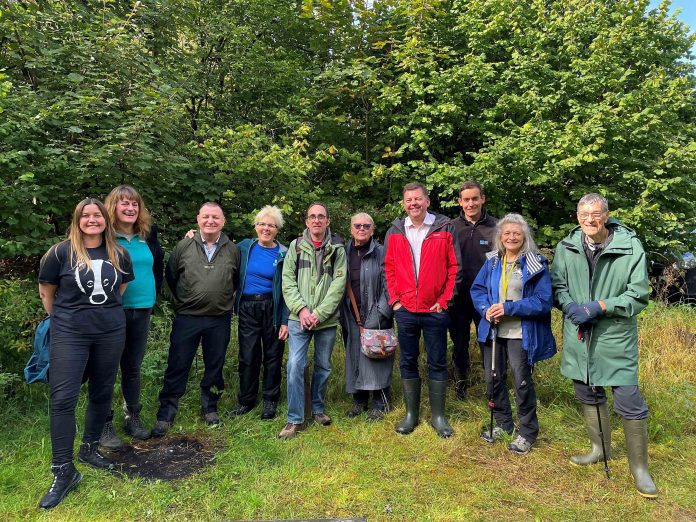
438, 266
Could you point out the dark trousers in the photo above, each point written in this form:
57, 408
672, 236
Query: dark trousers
380, 398
511, 351
628, 402
73, 357
434, 328
213, 332
461, 314
258, 344
137, 326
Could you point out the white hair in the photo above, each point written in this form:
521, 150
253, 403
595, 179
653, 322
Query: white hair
528, 246
592, 198
271, 211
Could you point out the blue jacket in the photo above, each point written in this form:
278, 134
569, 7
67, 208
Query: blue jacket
280, 311
534, 308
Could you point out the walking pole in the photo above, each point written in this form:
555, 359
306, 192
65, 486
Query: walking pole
582, 337
491, 384
601, 431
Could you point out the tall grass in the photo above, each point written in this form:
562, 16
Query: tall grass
353, 468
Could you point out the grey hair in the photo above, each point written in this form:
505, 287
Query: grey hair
528, 247
592, 198
362, 215
271, 211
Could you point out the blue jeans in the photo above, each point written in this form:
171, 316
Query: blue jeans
298, 343
434, 327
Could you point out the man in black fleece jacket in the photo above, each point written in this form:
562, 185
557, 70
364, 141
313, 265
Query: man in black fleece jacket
475, 237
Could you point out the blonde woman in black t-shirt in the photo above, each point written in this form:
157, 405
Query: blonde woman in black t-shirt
81, 281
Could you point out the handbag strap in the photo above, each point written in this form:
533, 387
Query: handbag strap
353, 303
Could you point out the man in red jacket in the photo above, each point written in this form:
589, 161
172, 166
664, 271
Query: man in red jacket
420, 265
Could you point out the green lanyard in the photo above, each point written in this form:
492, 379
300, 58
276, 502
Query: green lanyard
506, 276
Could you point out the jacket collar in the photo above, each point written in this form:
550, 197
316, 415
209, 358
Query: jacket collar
621, 243
484, 217
370, 248
440, 221
532, 263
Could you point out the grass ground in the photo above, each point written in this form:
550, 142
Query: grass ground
355, 469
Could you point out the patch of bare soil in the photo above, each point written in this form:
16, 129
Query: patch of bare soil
164, 459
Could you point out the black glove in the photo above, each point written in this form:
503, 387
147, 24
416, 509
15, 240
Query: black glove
580, 314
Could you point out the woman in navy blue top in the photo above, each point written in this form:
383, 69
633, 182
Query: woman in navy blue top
263, 316
136, 234
81, 281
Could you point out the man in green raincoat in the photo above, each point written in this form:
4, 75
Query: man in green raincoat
600, 282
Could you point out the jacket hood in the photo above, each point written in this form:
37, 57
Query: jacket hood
623, 235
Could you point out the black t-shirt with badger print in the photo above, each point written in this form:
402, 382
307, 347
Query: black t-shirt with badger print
87, 301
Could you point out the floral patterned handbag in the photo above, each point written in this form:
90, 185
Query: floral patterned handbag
374, 343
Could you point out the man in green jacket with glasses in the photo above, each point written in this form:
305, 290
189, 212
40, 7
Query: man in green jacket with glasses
600, 281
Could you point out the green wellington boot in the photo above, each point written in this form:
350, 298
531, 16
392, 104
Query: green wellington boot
595, 454
412, 397
437, 391
636, 432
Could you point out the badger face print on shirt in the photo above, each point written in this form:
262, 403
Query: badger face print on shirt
97, 284
88, 300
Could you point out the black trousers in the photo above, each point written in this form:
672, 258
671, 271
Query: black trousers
213, 332
259, 345
511, 351
72, 358
137, 326
380, 398
461, 314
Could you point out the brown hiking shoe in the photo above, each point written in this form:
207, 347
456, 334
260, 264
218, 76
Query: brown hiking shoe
322, 418
289, 431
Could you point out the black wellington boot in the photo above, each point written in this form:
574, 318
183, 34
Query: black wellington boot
412, 397
65, 478
437, 391
89, 454
592, 423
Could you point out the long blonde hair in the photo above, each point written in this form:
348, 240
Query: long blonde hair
78, 251
144, 222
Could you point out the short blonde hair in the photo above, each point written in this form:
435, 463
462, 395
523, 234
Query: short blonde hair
362, 215
271, 211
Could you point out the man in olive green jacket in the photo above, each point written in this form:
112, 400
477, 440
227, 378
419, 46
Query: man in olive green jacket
202, 274
314, 279
600, 283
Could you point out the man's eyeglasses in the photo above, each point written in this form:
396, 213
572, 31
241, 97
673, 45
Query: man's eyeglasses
582, 216
364, 226
316, 217
269, 225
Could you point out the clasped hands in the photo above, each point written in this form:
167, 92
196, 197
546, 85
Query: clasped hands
495, 312
308, 320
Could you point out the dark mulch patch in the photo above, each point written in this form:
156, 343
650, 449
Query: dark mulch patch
164, 459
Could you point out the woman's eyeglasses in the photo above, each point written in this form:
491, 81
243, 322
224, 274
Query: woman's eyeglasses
364, 226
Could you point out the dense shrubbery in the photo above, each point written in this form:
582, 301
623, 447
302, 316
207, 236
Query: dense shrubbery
267, 101
20, 312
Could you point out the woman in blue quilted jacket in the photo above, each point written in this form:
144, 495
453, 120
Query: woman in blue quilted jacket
512, 292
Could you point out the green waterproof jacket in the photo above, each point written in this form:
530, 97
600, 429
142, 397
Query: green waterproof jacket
317, 279
199, 286
608, 354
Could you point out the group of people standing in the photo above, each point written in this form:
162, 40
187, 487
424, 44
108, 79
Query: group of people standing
433, 275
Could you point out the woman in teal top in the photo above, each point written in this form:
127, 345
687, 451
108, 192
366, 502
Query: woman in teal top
136, 234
